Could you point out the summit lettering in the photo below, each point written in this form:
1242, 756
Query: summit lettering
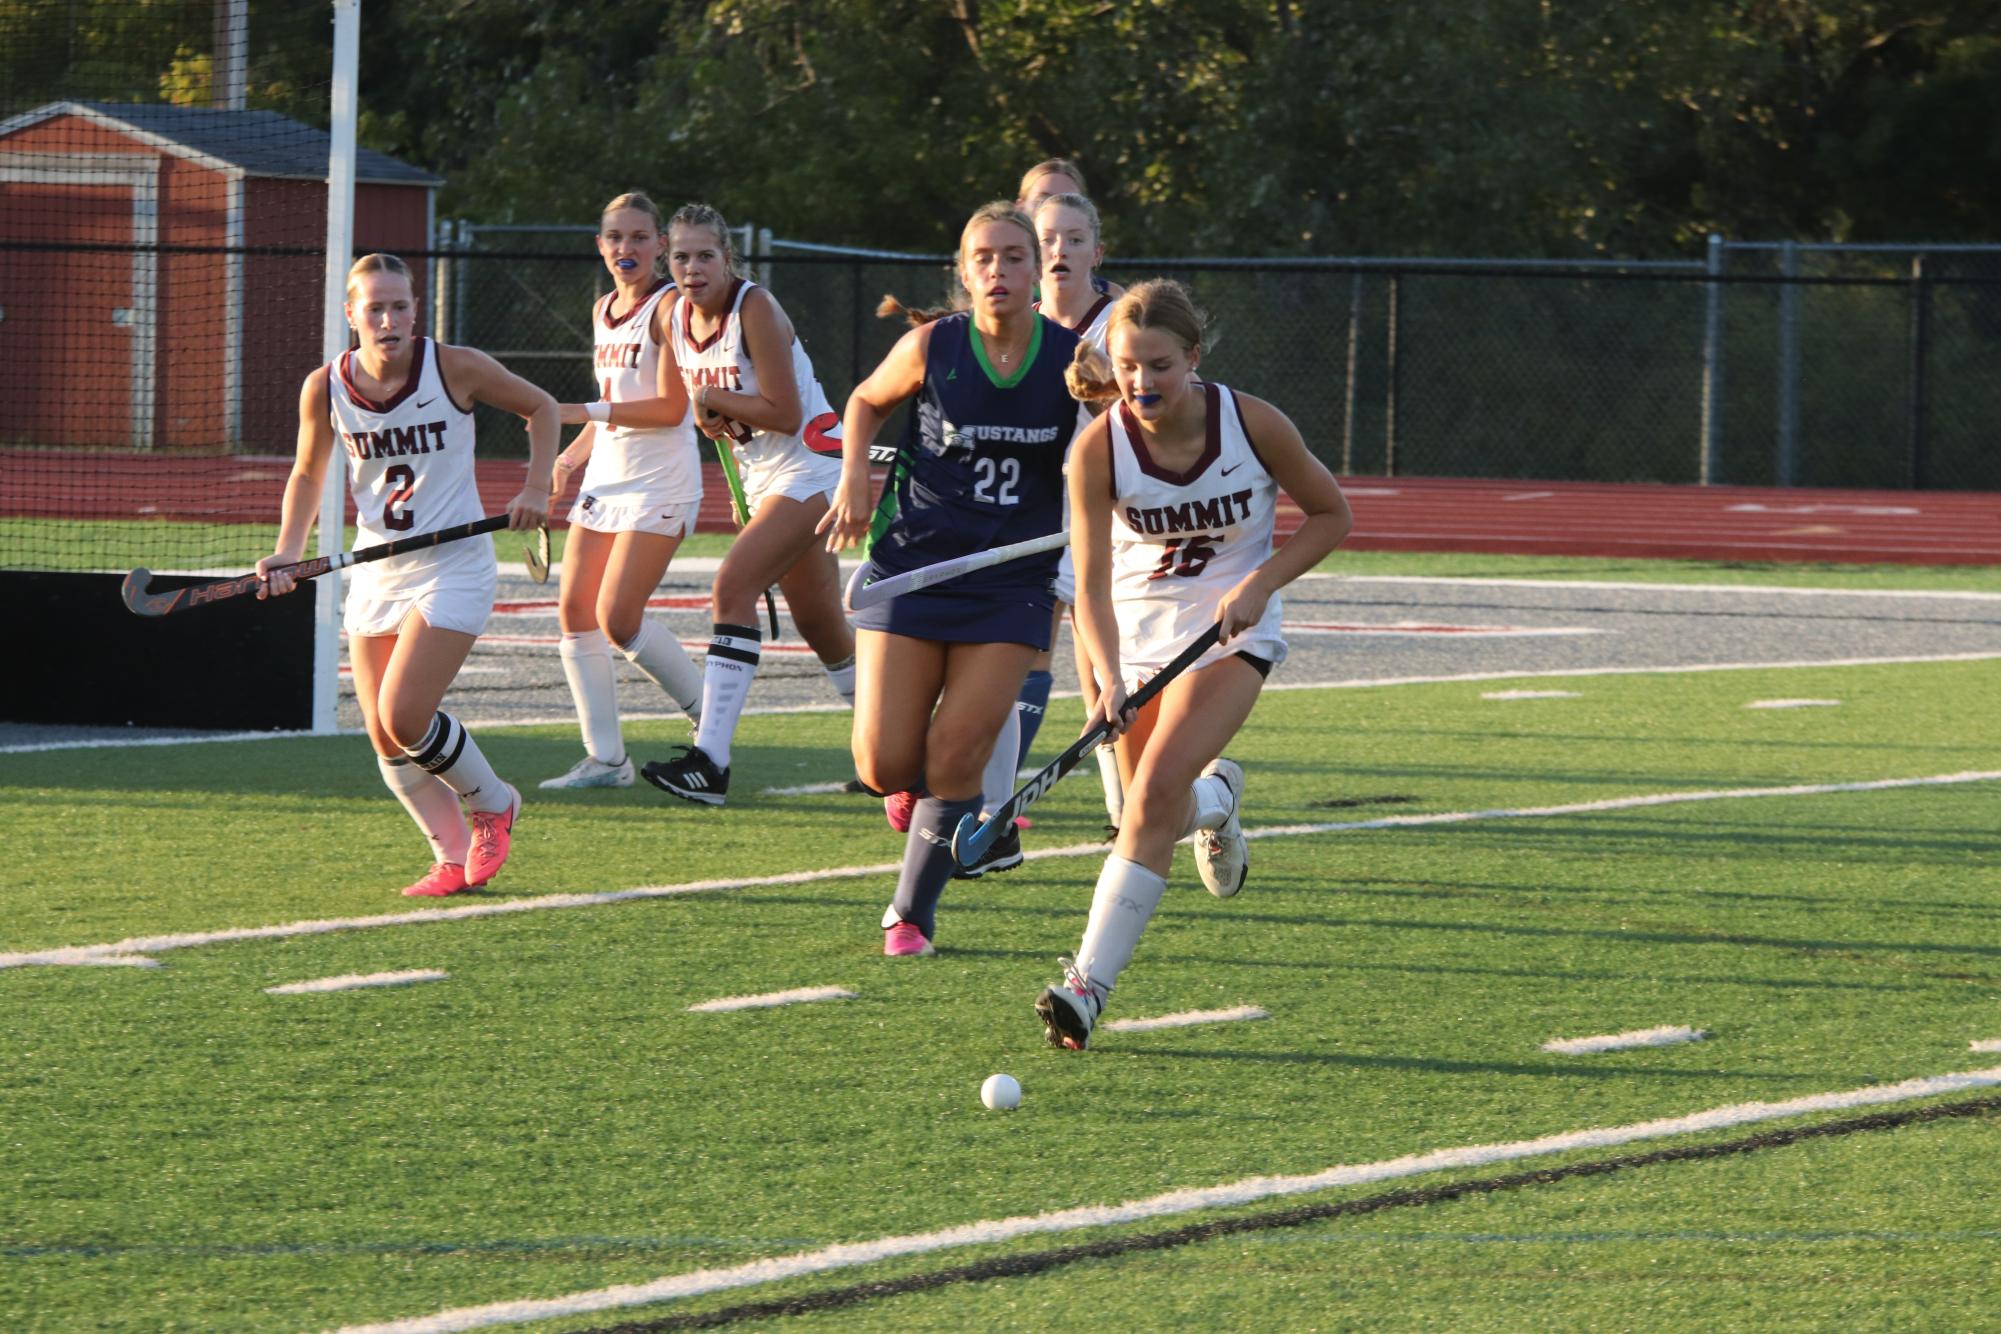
425, 438
1191, 516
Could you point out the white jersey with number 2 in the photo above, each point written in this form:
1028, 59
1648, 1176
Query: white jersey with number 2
1181, 540
410, 467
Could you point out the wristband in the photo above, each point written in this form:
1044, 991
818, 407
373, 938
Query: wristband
599, 411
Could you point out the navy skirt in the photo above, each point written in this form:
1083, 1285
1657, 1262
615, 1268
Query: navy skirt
1017, 614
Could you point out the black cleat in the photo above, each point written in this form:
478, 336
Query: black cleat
691, 776
1003, 855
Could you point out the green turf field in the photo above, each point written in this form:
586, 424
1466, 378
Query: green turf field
185, 1151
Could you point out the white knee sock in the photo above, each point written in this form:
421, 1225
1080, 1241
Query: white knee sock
594, 686
997, 779
842, 676
655, 651
1211, 805
432, 805
1115, 787
726, 676
1126, 896
449, 752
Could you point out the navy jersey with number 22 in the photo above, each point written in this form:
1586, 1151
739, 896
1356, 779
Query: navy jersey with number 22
981, 467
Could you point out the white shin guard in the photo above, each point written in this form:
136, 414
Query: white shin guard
656, 653
594, 686
997, 779
1121, 906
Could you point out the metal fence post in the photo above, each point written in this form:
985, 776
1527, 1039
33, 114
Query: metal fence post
458, 331
1391, 377
442, 283
1712, 362
1921, 310
1348, 397
1786, 465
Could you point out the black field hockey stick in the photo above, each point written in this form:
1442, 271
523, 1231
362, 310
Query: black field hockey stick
143, 603
971, 839
878, 591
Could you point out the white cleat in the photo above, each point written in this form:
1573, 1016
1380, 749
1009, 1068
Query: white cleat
589, 772
1221, 855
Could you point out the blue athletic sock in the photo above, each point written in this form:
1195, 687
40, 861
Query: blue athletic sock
927, 860
1030, 705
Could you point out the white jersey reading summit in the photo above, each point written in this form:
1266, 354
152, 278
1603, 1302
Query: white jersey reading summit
634, 473
799, 466
410, 467
1181, 540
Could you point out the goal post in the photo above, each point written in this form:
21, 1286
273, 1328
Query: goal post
340, 248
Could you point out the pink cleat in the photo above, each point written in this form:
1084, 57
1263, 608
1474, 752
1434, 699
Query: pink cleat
442, 879
897, 807
492, 831
905, 939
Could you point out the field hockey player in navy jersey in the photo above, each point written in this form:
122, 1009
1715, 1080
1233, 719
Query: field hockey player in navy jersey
938, 670
1173, 500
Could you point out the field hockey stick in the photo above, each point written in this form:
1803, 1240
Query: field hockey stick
878, 591
971, 839
143, 603
740, 511
536, 554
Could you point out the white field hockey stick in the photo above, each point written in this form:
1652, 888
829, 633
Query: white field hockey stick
878, 591
143, 603
971, 839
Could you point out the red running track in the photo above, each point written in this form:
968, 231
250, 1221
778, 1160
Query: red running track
1391, 514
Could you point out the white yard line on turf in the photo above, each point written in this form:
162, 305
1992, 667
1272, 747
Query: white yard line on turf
805, 790
142, 945
797, 996
1665, 1036
1353, 683
357, 981
1185, 1019
1985, 1044
1248, 1190
1531, 694
1793, 704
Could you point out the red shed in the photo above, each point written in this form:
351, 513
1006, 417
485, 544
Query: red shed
162, 284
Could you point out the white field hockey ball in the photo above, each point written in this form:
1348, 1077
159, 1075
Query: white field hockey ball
1001, 1092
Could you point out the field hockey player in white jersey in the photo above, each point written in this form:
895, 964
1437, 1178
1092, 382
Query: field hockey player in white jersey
401, 408
641, 492
755, 395
1066, 229
1173, 497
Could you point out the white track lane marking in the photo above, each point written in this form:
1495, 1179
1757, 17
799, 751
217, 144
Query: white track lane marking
357, 981
1248, 1190
1793, 704
1186, 1018
1437, 630
141, 945
1531, 694
1353, 683
797, 996
1970, 595
1665, 1036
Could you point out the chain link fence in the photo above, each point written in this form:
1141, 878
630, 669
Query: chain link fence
1825, 366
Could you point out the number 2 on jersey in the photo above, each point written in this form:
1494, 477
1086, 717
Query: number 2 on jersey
989, 471
404, 479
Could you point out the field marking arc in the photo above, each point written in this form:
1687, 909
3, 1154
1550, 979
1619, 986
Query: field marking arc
134, 950
1248, 1190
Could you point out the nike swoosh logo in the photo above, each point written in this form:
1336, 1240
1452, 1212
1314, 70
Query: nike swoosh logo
426, 402
952, 374
1232, 468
